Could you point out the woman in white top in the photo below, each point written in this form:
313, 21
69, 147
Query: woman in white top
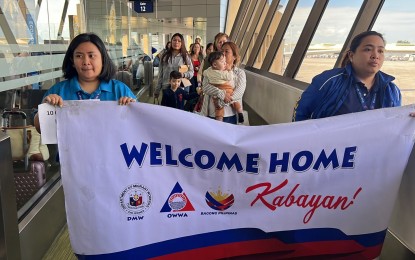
231, 52
173, 59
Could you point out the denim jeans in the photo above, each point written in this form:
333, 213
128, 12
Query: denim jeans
229, 119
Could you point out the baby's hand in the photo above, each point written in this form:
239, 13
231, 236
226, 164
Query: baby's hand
228, 98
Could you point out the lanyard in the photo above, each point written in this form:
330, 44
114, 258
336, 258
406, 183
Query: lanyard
363, 101
79, 93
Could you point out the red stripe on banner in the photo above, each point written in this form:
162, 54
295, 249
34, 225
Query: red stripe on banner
233, 249
370, 252
339, 247
275, 249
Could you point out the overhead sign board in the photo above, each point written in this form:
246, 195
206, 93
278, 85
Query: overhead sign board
143, 6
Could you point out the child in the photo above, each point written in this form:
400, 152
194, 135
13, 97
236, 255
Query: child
174, 96
221, 78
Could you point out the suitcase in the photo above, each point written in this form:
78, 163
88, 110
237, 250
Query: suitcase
19, 136
30, 176
29, 182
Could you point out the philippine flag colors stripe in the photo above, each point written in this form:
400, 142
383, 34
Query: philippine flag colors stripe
321, 243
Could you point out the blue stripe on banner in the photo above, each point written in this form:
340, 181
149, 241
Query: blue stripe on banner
239, 235
185, 243
368, 240
328, 234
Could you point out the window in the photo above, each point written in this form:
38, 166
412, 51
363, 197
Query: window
268, 38
395, 22
291, 36
329, 38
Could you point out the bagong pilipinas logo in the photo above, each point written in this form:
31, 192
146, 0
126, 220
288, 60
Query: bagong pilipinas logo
218, 200
135, 199
177, 201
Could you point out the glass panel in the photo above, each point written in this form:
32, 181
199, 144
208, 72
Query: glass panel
256, 32
71, 19
140, 39
199, 30
233, 8
16, 21
27, 69
50, 19
395, 22
268, 38
329, 38
291, 36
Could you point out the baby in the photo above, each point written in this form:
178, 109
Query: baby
221, 78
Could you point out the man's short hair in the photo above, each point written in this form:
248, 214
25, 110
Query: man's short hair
175, 75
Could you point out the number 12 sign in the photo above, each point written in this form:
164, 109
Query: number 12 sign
143, 6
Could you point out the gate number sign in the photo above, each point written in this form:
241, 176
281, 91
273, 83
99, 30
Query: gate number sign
143, 6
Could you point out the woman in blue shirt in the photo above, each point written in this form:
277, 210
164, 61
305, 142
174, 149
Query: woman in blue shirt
89, 74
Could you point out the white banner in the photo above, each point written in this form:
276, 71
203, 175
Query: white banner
144, 181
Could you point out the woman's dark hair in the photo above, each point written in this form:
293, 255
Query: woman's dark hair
192, 51
167, 45
167, 55
215, 55
208, 45
357, 40
108, 67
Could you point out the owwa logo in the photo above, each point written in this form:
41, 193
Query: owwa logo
177, 201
